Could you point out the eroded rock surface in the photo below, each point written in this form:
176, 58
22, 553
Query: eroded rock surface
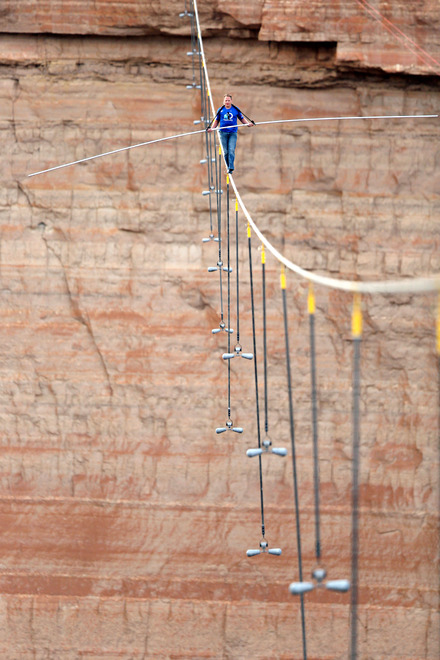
125, 519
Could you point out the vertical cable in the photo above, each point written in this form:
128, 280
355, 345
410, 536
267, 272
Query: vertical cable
438, 425
237, 271
219, 230
311, 309
256, 380
295, 479
229, 295
263, 275
356, 329
193, 43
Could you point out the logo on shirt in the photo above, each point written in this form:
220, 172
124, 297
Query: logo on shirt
228, 116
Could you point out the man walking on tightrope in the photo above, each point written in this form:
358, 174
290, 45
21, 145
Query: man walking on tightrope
227, 117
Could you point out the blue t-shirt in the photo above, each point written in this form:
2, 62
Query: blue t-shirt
228, 118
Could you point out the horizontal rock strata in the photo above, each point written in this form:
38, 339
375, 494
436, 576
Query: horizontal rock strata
125, 519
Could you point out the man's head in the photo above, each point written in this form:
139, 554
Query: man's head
227, 101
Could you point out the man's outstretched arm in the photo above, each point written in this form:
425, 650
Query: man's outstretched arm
214, 125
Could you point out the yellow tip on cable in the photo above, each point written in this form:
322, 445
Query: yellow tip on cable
263, 254
311, 300
248, 230
438, 325
283, 277
236, 205
219, 151
227, 179
356, 317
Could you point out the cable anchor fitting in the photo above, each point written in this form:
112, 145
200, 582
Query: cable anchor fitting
229, 426
219, 266
211, 238
238, 353
266, 449
264, 548
222, 327
319, 575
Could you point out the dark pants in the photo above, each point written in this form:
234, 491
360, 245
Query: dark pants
228, 142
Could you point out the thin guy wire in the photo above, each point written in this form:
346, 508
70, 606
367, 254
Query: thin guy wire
396, 31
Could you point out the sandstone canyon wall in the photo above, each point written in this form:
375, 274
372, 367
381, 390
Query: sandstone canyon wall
124, 518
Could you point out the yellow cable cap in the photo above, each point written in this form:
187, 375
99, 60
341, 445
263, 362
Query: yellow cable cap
356, 317
236, 205
283, 277
311, 300
263, 254
227, 179
438, 326
249, 230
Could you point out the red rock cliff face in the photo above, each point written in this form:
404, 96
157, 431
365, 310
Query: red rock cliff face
125, 519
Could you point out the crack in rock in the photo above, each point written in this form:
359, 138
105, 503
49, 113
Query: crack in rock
77, 314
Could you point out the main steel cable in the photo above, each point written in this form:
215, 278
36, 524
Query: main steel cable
295, 476
415, 285
257, 403
356, 335
311, 310
179, 135
202, 51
